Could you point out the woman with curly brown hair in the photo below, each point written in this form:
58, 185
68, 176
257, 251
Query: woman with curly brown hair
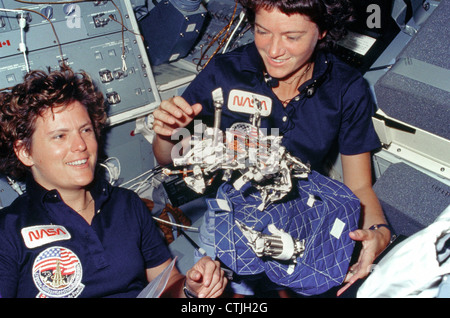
71, 234
27, 101
321, 106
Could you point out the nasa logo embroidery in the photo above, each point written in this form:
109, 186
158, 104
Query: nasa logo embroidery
57, 273
35, 236
249, 103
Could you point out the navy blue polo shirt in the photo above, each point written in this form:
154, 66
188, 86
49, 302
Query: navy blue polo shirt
332, 112
49, 250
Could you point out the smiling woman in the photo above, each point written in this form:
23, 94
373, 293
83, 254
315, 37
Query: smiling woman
42, 93
56, 139
63, 154
321, 106
64, 148
53, 238
286, 45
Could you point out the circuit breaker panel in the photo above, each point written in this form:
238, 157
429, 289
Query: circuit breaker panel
99, 37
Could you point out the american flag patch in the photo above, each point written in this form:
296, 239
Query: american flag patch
57, 272
58, 256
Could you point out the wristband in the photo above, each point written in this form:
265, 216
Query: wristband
377, 226
187, 292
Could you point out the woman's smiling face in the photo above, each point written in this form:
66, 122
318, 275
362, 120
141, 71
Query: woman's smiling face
63, 150
284, 42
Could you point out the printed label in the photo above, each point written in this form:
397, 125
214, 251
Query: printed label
249, 103
337, 228
39, 235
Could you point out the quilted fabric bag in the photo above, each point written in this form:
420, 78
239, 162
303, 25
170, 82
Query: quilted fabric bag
319, 210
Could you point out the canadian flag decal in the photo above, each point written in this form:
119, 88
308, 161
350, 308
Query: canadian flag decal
5, 43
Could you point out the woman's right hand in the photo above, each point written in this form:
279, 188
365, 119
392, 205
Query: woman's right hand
172, 114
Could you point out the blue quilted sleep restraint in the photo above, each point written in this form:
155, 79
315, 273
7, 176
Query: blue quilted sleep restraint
322, 211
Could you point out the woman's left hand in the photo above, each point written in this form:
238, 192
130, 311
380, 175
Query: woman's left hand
206, 279
373, 244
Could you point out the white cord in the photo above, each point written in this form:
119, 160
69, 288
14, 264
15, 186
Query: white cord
138, 177
117, 167
241, 18
22, 45
11, 10
176, 224
142, 183
124, 63
113, 170
109, 172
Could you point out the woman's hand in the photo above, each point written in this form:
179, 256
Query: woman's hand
373, 244
172, 114
357, 172
206, 279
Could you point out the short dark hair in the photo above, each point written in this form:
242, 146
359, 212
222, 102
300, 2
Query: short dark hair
332, 16
21, 105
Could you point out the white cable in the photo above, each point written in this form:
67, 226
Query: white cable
135, 178
22, 24
11, 10
140, 186
124, 64
142, 183
113, 171
22, 45
138, 177
117, 170
176, 224
109, 172
241, 18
